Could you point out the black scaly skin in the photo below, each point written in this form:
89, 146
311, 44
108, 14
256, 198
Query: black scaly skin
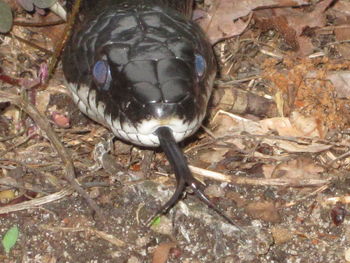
150, 49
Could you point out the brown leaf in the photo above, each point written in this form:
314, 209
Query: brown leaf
301, 169
161, 253
342, 6
297, 125
224, 17
292, 23
263, 210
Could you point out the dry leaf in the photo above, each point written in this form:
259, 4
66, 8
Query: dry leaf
228, 124
342, 6
292, 22
296, 126
341, 83
212, 157
161, 253
223, 18
7, 195
301, 169
263, 210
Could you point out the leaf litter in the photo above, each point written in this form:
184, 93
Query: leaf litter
274, 152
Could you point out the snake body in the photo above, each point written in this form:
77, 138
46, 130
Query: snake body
145, 71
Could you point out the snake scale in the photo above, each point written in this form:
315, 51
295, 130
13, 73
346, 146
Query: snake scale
143, 69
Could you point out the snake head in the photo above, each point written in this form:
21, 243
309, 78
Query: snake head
141, 71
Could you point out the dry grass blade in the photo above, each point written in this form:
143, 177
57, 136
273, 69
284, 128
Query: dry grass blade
289, 182
37, 201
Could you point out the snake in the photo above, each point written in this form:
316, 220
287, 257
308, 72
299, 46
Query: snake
145, 70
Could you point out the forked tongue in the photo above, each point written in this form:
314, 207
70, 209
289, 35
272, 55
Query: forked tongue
183, 175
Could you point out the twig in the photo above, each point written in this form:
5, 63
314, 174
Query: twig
67, 31
42, 122
41, 24
236, 81
344, 155
37, 201
298, 140
341, 199
258, 181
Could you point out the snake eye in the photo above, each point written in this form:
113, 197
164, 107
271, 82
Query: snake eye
101, 74
200, 65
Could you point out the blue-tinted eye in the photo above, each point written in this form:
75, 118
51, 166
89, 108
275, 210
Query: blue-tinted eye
101, 73
200, 65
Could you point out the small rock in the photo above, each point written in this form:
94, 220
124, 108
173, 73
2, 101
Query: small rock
133, 259
263, 210
347, 254
164, 227
142, 241
94, 192
214, 191
281, 235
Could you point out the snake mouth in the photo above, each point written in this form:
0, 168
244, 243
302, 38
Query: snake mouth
144, 133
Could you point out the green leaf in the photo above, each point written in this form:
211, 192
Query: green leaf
44, 3
10, 238
6, 18
155, 221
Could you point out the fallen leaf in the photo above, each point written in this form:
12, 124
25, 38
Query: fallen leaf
7, 195
223, 19
341, 83
292, 23
263, 210
297, 147
10, 239
342, 6
297, 126
233, 126
6, 18
211, 156
161, 253
301, 169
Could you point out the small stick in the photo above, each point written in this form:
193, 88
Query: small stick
258, 181
37, 201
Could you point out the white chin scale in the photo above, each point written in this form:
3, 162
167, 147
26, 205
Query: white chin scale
142, 133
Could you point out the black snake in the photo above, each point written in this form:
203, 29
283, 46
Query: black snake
143, 69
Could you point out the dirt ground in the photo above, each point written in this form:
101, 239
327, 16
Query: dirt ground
273, 152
